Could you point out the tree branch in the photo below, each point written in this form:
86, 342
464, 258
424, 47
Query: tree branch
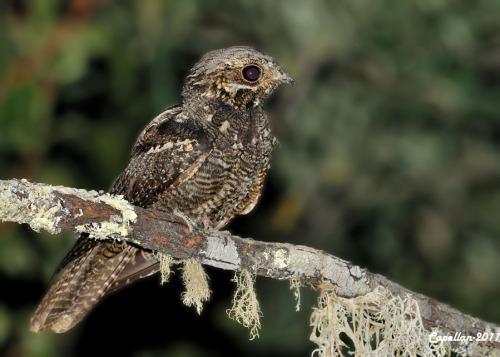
104, 216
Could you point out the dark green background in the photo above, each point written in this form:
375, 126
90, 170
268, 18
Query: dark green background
389, 156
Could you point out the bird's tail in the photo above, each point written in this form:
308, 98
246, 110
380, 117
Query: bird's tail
93, 269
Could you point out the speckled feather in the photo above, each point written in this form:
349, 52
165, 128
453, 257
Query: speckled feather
206, 158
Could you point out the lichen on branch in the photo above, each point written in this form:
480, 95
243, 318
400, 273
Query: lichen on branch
376, 324
166, 261
246, 309
196, 282
54, 208
366, 307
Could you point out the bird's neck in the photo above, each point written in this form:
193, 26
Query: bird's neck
240, 124
213, 110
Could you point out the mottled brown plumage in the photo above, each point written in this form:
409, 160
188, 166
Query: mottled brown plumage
205, 158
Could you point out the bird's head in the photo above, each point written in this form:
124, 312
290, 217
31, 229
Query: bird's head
238, 76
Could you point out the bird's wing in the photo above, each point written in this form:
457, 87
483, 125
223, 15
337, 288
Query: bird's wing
167, 152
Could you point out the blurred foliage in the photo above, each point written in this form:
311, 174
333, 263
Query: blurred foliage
389, 156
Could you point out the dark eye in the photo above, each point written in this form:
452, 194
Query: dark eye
251, 73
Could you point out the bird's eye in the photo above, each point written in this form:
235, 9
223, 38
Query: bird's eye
251, 73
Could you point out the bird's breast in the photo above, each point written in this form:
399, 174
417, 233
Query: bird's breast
227, 178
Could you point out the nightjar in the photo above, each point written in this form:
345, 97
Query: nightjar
206, 158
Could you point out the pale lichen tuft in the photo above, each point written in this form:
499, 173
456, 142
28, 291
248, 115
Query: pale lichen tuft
166, 262
295, 285
246, 309
196, 282
376, 324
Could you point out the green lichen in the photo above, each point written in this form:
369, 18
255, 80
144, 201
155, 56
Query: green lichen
35, 204
24, 202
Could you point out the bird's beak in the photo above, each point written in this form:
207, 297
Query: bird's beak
286, 78
280, 76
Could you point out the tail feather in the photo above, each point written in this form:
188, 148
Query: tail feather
79, 287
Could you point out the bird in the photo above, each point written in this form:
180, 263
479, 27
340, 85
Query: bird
205, 158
